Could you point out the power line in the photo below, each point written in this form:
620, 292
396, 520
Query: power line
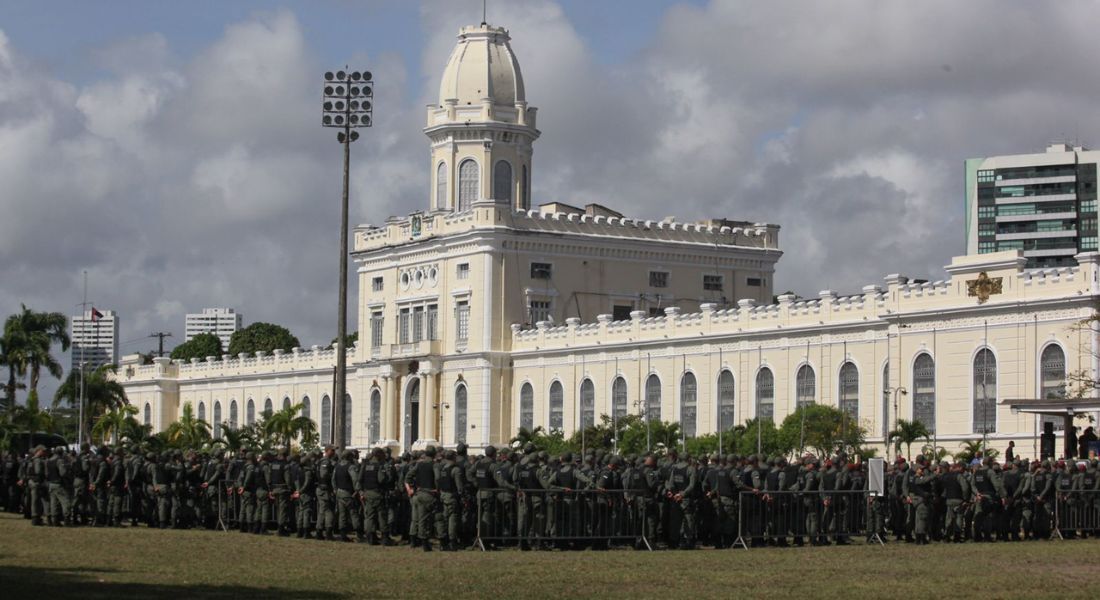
160, 335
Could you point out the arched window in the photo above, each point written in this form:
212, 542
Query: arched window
306, 408
250, 412
849, 390
233, 422
886, 399
148, 414
286, 402
375, 428
347, 418
467, 185
524, 195
727, 391
588, 403
1052, 379
557, 406
460, 414
326, 420
924, 391
653, 398
527, 407
269, 409
202, 411
765, 395
618, 398
688, 404
502, 181
805, 386
217, 420
441, 186
412, 412
985, 392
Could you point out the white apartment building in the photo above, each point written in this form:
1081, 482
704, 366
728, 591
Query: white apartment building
94, 339
222, 322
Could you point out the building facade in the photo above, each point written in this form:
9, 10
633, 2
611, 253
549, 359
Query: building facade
94, 339
222, 322
1042, 204
480, 315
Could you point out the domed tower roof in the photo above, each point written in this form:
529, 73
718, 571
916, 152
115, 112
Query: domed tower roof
482, 65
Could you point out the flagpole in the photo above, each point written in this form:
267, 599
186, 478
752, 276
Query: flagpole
83, 333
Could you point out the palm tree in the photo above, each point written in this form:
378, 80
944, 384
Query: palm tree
34, 333
189, 431
908, 432
13, 357
289, 423
525, 435
102, 393
114, 422
31, 419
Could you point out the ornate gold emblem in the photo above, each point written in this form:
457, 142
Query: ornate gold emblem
983, 287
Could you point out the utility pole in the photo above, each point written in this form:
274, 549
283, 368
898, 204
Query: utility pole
347, 106
83, 342
160, 335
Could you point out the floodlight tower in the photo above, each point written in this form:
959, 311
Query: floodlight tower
347, 105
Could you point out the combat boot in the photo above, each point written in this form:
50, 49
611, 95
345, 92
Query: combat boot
427, 544
387, 540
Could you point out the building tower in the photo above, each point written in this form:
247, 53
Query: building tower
481, 130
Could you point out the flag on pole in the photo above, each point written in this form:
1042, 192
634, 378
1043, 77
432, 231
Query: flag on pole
96, 315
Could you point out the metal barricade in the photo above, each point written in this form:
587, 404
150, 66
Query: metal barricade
558, 518
1076, 512
780, 518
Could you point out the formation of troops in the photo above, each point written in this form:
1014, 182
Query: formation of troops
529, 499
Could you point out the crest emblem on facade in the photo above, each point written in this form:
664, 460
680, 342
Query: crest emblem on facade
415, 226
983, 287
129, 372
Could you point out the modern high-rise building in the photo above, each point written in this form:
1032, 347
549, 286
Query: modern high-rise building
1043, 204
95, 339
222, 322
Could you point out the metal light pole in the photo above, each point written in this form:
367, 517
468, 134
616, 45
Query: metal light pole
347, 106
895, 391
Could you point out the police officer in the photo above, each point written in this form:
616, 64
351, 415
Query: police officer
422, 488
326, 517
679, 490
452, 487
375, 477
343, 483
276, 482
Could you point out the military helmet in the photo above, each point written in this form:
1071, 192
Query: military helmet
490, 451
528, 448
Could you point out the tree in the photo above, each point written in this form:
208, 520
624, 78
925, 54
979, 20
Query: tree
349, 339
264, 337
189, 431
908, 432
32, 335
12, 357
30, 418
102, 393
288, 424
114, 422
822, 428
200, 346
971, 448
771, 441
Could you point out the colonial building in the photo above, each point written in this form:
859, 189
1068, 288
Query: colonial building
480, 315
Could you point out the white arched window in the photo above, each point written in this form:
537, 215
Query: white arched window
765, 395
467, 185
849, 390
726, 397
347, 418
653, 398
441, 186
286, 402
588, 403
1052, 380
688, 404
375, 428
527, 407
924, 391
202, 411
557, 406
618, 398
217, 420
985, 392
148, 414
269, 408
305, 408
250, 412
502, 181
460, 414
805, 386
326, 420
233, 422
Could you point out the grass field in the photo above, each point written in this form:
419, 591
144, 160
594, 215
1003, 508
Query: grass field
47, 563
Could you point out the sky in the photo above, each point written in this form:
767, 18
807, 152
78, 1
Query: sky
173, 151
